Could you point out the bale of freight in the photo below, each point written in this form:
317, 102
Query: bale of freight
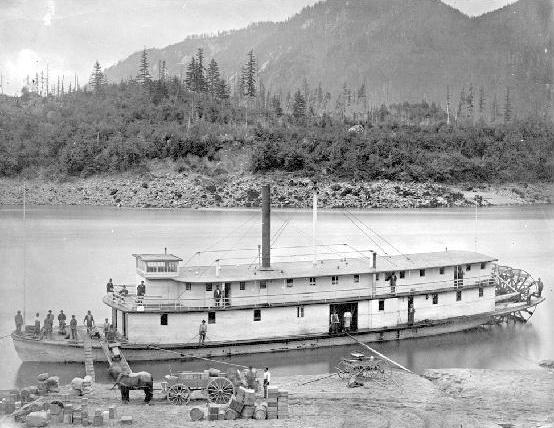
42, 377
197, 414
236, 405
260, 412
247, 412
37, 419
230, 414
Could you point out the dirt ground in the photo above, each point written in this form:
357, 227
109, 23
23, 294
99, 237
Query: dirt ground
439, 398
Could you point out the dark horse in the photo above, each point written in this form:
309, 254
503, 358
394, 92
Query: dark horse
129, 381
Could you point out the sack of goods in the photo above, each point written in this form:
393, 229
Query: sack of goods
37, 419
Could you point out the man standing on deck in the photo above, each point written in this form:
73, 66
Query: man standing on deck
141, 289
393, 283
202, 332
334, 322
347, 319
37, 326
73, 327
49, 324
89, 321
109, 286
217, 295
61, 322
18, 322
540, 286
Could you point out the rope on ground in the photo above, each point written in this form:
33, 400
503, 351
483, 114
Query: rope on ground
7, 335
381, 355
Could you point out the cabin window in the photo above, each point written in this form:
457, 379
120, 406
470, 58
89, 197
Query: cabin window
263, 285
377, 277
209, 286
480, 291
242, 285
163, 319
468, 267
458, 296
422, 272
188, 286
290, 282
441, 270
300, 312
257, 315
312, 280
483, 265
334, 280
402, 274
435, 299
356, 278
211, 317
381, 305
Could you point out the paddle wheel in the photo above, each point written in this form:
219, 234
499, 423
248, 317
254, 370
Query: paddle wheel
515, 285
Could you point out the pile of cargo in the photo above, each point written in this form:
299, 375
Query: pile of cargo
17, 399
244, 405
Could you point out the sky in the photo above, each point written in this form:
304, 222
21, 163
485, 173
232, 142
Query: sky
68, 36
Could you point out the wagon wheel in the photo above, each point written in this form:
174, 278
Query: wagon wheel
220, 390
178, 394
343, 369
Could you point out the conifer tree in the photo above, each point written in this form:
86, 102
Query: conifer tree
470, 102
299, 107
200, 79
213, 78
481, 102
222, 90
249, 76
97, 78
276, 106
508, 107
190, 75
143, 75
494, 109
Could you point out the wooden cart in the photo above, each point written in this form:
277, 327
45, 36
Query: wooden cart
360, 365
178, 387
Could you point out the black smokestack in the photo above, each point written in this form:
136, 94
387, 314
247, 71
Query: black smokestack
266, 227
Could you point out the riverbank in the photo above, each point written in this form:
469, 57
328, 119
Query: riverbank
439, 398
168, 189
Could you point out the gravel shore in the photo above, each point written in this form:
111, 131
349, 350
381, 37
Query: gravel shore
191, 190
438, 398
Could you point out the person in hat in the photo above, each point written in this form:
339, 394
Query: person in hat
61, 322
37, 326
109, 286
202, 332
73, 327
18, 322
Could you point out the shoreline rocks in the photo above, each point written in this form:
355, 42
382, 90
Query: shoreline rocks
190, 190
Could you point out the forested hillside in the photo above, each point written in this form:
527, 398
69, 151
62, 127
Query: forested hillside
120, 127
390, 51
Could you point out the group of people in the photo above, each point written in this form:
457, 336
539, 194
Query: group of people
346, 322
123, 292
46, 332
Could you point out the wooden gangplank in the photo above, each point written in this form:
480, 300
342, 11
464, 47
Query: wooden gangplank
89, 363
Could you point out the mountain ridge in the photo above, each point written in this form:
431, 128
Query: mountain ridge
403, 50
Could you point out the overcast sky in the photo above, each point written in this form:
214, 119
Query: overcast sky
69, 35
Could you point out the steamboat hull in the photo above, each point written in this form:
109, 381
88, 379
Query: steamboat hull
30, 350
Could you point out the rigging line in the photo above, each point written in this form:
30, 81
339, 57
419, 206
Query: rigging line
381, 237
280, 232
364, 232
302, 255
194, 356
249, 219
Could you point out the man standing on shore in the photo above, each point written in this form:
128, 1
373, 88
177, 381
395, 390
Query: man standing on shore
267, 379
37, 326
202, 332
73, 327
18, 322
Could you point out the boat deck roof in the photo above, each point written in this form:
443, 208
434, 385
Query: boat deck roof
329, 267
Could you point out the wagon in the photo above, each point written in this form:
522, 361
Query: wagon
216, 386
361, 365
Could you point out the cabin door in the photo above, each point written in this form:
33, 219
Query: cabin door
227, 296
124, 322
341, 309
458, 276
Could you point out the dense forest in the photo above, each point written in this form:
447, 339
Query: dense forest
111, 128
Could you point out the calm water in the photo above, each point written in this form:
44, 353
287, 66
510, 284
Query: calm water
70, 252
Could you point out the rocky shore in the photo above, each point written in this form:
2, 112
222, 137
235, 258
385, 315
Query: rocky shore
163, 189
437, 398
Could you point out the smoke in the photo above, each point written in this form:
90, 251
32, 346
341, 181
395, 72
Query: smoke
51, 11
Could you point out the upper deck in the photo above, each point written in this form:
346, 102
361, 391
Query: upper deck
300, 282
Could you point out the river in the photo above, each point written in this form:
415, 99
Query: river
61, 258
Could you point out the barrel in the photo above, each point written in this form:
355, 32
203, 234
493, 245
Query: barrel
197, 414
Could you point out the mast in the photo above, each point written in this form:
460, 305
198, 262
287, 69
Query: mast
314, 224
266, 228
24, 252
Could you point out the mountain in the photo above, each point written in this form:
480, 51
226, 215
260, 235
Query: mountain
403, 50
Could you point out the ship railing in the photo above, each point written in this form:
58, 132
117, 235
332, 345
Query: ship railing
265, 298
404, 286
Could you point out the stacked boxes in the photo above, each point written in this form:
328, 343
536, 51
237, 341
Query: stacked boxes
283, 405
272, 401
213, 412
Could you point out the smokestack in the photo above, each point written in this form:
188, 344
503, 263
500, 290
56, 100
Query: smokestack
266, 228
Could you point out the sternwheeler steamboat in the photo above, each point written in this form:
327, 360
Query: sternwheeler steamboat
269, 307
